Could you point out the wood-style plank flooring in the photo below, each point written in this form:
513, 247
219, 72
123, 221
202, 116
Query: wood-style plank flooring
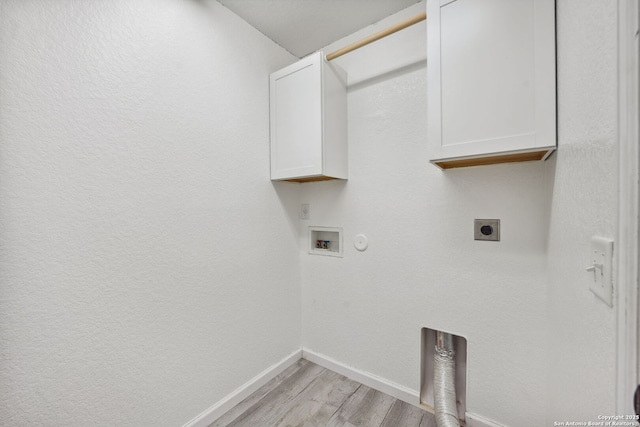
306, 395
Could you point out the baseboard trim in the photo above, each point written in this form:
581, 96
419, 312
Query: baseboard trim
220, 408
367, 378
475, 420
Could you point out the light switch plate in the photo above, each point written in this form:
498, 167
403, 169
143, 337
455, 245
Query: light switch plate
304, 211
600, 269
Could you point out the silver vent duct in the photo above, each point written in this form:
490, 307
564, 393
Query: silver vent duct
444, 386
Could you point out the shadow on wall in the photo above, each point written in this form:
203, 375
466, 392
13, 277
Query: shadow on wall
289, 195
549, 181
516, 193
326, 194
390, 74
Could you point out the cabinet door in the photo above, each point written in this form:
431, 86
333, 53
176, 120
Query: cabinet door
296, 120
492, 76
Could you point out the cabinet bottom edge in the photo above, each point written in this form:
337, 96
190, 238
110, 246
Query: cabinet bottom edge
495, 159
308, 179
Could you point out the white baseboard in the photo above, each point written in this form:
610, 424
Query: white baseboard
367, 378
475, 420
224, 405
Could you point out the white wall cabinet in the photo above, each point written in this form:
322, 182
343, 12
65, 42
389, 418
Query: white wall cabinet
308, 105
491, 75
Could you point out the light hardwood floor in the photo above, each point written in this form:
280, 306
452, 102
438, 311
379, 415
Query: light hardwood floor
306, 394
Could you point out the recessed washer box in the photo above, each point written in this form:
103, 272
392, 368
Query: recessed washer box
325, 241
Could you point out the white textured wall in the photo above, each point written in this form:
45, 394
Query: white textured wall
148, 265
523, 303
583, 185
423, 268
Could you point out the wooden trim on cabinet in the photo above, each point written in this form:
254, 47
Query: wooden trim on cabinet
493, 160
310, 179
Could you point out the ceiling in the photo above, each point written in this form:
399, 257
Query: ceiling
305, 26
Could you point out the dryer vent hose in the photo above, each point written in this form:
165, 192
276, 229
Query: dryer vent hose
444, 385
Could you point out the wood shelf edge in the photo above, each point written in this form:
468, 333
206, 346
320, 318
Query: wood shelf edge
309, 179
495, 159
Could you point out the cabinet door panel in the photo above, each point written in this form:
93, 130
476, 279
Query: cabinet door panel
297, 123
488, 70
491, 78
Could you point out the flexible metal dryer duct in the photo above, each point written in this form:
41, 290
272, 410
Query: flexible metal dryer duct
444, 386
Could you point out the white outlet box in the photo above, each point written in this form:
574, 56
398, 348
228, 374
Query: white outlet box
305, 211
600, 269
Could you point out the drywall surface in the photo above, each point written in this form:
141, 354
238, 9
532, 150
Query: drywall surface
148, 265
422, 267
582, 186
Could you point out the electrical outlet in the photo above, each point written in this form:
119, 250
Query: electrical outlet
600, 269
486, 229
304, 211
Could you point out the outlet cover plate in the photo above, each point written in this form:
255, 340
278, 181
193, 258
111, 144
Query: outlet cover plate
600, 269
304, 211
486, 229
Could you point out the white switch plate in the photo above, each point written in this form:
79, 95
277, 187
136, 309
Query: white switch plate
600, 269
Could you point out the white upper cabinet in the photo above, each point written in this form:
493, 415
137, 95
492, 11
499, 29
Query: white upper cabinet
491, 76
308, 105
